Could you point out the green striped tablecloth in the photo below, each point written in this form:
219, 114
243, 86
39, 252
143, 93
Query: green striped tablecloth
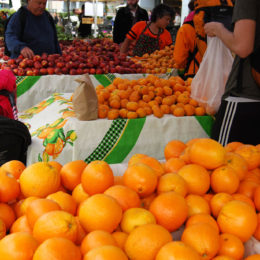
58, 135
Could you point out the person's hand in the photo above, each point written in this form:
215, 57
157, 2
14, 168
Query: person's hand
27, 53
213, 29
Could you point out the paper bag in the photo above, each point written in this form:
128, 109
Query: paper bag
85, 100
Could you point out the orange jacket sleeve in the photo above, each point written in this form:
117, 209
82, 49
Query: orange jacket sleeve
184, 44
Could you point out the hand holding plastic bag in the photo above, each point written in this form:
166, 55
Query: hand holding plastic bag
208, 85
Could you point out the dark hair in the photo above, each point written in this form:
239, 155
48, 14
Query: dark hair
191, 5
161, 10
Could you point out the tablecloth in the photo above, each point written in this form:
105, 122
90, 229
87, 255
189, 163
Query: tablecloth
46, 108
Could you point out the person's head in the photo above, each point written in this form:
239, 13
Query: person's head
132, 4
36, 7
191, 5
162, 15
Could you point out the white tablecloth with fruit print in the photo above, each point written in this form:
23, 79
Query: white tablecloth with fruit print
45, 106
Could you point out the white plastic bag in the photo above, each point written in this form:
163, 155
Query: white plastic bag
208, 85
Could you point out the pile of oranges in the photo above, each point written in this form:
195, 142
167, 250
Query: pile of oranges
81, 211
157, 62
130, 99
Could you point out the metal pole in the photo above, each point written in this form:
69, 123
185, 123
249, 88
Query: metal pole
95, 17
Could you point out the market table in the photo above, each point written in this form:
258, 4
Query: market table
45, 107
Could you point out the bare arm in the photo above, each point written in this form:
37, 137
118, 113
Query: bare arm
241, 41
125, 45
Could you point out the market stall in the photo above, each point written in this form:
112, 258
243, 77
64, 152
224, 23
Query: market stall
45, 107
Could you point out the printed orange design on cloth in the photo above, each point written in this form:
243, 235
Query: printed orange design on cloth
135, 32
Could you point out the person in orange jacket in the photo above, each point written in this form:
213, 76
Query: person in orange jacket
186, 56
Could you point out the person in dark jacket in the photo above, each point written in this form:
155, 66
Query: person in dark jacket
36, 36
84, 29
126, 17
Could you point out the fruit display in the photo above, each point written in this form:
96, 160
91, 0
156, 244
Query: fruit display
96, 56
126, 98
158, 62
208, 193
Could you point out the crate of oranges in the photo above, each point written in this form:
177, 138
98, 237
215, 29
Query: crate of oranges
125, 98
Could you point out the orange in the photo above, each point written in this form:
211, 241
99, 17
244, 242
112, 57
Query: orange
200, 111
39, 179
202, 218
218, 201
173, 165
79, 194
102, 111
7, 215
203, 238
253, 175
237, 163
14, 167
173, 149
113, 114
189, 110
232, 146
149, 161
141, 178
97, 177
135, 217
172, 182
247, 188
71, 173
251, 154
95, 239
21, 205
207, 153
57, 248
39, 207
256, 198
9, 186
224, 179
144, 242
238, 218
120, 238
55, 223
244, 198
81, 233
20, 245
170, 210
100, 211
125, 196
197, 178
21, 224
136, 158
56, 165
105, 253
177, 250
232, 246
197, 205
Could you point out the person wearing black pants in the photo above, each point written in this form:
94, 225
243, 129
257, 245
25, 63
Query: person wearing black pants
239, 112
